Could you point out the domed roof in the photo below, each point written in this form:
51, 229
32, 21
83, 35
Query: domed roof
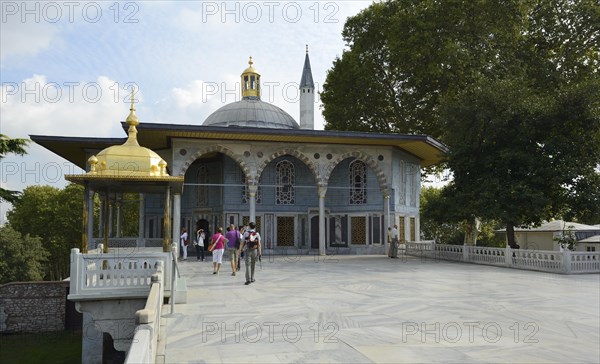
129, 159
251, 112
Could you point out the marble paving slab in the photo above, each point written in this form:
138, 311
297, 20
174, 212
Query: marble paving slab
372, 309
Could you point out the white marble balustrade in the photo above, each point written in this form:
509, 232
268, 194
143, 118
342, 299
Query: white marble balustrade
567, 262
120, 273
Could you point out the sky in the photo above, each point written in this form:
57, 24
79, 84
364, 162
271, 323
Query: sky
67, 68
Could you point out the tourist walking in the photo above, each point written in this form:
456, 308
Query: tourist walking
394, 246
183, 241
233, 237
251, 245
389, 240
199, 243
217, 254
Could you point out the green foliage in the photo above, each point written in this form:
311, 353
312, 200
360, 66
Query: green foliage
131, 213
512, 87
567, 238
21, 257
41, 348
436, 222
521, 152
55, 216
15, 146
404, 55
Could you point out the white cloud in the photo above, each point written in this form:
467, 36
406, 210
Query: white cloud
20, 38
38, 106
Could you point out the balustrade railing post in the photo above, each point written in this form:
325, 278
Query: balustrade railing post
465, 253
508, 256
567, 261
75, 271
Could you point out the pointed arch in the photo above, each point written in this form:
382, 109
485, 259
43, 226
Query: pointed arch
216, 148
381, 178
293, 153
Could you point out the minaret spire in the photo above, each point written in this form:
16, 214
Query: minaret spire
307, 96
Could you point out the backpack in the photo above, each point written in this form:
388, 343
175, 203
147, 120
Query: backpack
252, 240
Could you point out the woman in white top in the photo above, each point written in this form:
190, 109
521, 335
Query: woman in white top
199, 243
182, 239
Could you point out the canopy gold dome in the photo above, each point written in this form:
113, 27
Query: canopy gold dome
129, 159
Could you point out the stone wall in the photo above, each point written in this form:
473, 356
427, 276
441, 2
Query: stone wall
33, 306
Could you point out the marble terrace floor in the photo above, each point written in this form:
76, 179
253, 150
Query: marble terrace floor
372, 309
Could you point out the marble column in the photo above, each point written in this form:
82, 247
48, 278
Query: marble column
167, 221
177, 220
119, 208
386, 220
90, 225
101, 217
105, 226
111, 206
84, 222
252, 189
322, 190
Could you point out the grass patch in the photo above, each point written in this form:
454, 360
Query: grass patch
51, 347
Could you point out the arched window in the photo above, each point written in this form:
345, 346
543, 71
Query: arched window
202, 189
357, 172
286, 178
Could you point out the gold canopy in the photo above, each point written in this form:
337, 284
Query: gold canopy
129, 159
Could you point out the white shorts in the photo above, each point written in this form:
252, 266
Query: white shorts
217, 255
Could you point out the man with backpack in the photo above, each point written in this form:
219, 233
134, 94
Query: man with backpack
251, 245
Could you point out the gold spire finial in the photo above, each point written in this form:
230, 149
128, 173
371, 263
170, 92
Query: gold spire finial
132, 119
250, 61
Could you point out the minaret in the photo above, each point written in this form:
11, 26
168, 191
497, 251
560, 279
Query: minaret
307, 96
250, 82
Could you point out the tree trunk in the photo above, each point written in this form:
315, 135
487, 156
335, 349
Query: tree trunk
510, 235
471, 232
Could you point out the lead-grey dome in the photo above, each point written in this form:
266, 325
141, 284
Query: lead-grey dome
253, 113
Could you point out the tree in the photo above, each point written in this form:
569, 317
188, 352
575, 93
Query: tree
15, 146
437, 222
55, 216
512, 87
405, 55
521, 151
21, 257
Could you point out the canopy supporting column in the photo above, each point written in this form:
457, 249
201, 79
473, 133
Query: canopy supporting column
167, 221
177, 220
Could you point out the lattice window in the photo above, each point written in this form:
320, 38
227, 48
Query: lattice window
401, 229
359, 229
414, 181
285, 231
412, 229
402, 188
286, 178
246, 222
246, 192
358, 182
202, 189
